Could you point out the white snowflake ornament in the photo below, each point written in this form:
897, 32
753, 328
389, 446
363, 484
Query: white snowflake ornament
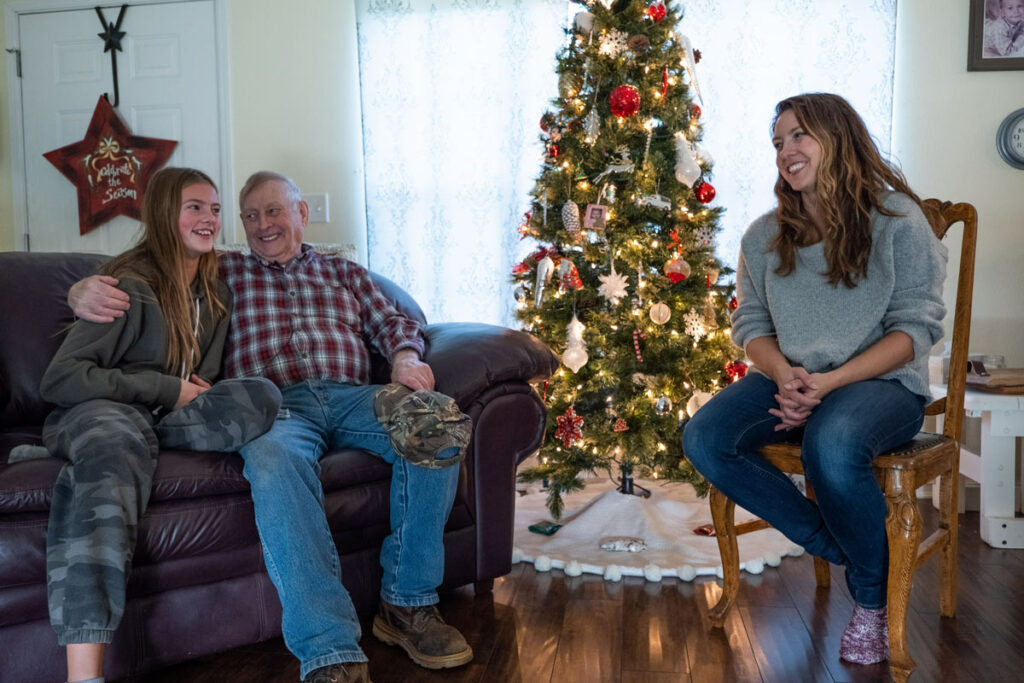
694, 325
705, 236
613, 43
613, 286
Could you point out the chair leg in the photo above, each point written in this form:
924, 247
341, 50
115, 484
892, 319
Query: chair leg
483, 587
723, 514
822, 573
949, 491
903, 526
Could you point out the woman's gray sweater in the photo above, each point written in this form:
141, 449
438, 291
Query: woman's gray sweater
819, 326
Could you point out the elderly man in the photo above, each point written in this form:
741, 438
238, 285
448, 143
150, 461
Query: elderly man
300, 319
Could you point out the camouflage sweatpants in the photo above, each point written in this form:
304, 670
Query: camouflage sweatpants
103, 489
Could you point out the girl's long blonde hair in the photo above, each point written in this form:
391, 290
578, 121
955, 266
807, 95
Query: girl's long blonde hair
852, 177
158, 259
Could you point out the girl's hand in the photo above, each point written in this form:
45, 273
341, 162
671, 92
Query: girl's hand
189, 390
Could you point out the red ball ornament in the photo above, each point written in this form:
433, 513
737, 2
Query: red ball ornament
735, 369
677, 270
705, 193
695, 111
546, 121
624, 101
657, 11
733, 303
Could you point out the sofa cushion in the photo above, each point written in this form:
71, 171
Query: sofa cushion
35, 290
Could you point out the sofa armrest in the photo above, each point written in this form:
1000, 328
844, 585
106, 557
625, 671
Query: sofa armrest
467, 358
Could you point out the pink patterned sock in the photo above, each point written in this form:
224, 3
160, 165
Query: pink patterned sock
866, 638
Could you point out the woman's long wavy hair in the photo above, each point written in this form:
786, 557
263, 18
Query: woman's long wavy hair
158, 259
852, 177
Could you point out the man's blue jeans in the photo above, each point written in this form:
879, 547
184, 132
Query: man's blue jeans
319, 621
842, 436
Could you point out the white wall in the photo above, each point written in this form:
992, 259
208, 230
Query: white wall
944, 128
295, 108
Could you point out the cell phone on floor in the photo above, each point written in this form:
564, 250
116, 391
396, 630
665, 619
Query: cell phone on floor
545, 528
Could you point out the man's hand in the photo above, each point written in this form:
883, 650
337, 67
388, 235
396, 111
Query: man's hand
97, 299
408, 369
189, 390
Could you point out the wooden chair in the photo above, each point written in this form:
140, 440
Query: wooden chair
899, 472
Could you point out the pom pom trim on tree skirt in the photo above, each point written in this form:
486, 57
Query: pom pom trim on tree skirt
665, 522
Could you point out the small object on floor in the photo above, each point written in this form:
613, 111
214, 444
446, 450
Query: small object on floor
866, 638
345, 672
544, 528
422, 633
623, 544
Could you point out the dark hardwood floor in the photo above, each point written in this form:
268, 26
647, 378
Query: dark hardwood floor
546, 627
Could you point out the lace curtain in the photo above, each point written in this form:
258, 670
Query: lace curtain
452, 91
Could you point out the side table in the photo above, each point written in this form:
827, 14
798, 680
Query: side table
1002, 424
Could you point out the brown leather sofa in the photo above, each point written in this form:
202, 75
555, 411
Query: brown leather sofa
198, 584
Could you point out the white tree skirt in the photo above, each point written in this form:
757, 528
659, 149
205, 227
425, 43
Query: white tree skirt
665, 521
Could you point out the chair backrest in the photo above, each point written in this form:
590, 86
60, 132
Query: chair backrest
942, 215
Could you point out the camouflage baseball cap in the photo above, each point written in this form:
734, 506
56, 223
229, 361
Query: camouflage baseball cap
422, 424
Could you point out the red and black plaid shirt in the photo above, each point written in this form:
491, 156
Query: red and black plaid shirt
309, 319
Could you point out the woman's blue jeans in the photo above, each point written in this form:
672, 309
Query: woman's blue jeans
842, 436
319, 621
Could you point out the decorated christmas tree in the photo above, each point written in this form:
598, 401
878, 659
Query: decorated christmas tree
624, 283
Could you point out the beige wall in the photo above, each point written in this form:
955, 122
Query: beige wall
944, 127
295, 108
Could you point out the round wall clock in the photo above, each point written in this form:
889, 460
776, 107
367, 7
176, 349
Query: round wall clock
1010, 139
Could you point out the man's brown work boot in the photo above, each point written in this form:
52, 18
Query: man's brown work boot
346, 672
422, 633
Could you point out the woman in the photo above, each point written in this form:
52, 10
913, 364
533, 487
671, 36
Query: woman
840, 302
127, 388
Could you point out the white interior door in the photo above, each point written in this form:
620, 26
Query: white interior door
168, 89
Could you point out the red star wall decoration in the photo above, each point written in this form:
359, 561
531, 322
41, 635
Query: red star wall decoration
110, 167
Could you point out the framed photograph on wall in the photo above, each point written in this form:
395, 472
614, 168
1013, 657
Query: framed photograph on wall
996, 40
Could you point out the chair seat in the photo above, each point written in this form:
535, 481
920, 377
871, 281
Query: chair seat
920, 453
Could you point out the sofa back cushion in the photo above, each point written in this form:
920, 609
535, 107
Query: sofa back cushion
35, 316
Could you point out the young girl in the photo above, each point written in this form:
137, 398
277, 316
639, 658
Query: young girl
840, 301
127, 388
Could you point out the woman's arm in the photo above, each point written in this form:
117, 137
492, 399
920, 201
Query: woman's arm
794, 405
889, 353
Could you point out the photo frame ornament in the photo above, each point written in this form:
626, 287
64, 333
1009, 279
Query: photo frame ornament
595, 217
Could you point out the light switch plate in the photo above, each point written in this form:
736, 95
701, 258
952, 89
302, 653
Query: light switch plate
319, 207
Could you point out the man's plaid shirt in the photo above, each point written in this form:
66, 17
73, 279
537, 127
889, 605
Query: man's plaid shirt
309, 319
